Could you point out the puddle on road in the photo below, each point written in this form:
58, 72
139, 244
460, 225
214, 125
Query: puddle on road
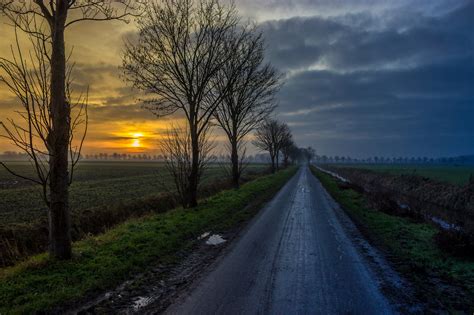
215, 239
141, 302
204, 235
303, 189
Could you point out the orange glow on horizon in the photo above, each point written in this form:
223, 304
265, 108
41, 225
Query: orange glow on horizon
136, 140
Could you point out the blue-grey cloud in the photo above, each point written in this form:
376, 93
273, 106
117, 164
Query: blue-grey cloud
396, 82
263, 10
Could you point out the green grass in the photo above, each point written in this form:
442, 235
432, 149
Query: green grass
458, 175
97, 184
102, 262
409, 243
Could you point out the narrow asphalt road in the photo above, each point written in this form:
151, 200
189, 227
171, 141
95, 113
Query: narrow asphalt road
295, 258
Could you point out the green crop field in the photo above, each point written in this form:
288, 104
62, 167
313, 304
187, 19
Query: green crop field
96, 184
458, 175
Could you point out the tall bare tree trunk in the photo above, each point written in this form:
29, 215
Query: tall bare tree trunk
234, 157
59, 219
194, 174
273, 163
52, 122
277, 161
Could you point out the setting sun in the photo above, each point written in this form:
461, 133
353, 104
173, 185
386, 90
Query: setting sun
136, 140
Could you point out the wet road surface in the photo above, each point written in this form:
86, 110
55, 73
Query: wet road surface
294, 258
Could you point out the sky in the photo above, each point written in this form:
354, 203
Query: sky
361, 78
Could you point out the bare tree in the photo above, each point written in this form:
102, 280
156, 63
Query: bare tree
270, 136
242, 159
46, 21
181, 48
287, 148
248, 87
309, 153
294, 153
177, 151
283, 138
28, 78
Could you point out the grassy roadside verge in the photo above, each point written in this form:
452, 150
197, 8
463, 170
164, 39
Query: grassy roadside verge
441, 279
102, 262
96, 204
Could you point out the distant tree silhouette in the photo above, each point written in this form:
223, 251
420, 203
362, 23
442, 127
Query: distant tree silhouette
270, 136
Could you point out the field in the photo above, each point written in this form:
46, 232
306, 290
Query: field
458, 175
96, 184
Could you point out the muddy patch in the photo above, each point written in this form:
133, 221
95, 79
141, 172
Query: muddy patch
155, 290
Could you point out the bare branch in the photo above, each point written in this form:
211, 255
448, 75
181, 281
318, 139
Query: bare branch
180, 49
248, 87
177, 150
100, 10
272, 136
24, 13
28, 78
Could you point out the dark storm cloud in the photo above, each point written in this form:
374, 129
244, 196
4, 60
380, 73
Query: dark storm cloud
346, 43
280, 9
368, 84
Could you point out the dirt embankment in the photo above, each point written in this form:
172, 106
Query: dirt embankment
448, 205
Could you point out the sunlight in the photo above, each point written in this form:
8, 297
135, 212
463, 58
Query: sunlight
136, 142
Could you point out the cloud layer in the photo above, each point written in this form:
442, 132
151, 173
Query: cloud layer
363, 77
385, 83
